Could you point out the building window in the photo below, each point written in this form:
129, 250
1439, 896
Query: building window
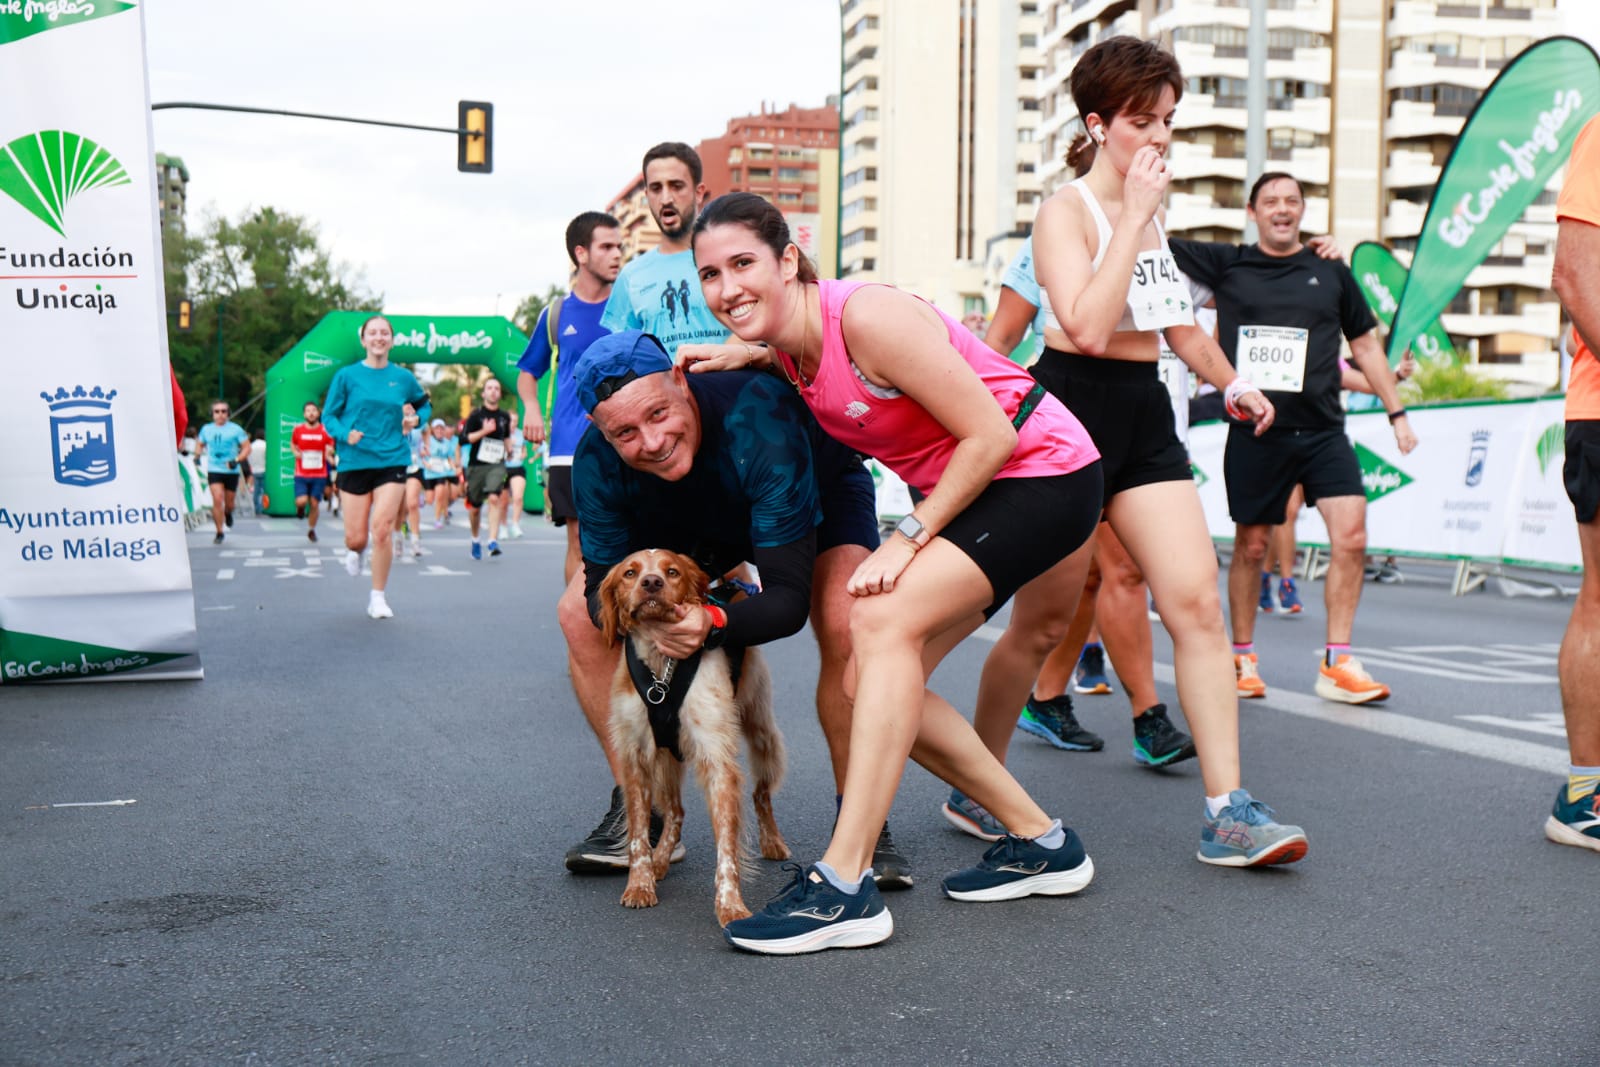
760, 174
790, 174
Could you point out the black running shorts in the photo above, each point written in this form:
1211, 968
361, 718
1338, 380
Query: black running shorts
1262, 471
1127, 412
1582, 469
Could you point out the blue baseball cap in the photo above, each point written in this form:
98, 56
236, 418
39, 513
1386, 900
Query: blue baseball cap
615, 360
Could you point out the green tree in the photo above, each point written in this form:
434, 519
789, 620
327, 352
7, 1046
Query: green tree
526, 316
1437, 383
265, 280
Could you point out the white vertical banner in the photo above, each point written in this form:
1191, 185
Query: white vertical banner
94, 569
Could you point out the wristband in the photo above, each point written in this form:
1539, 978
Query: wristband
719, 618
1397, 413
1230, 396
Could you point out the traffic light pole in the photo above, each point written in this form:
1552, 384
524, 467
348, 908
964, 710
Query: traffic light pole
473, 140
180, 104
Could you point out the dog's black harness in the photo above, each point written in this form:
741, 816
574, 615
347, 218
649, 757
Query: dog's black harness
663, 697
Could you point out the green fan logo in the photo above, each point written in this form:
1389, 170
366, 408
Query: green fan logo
1197, 474
43, 171
1378, 476
1552, 445
24, 18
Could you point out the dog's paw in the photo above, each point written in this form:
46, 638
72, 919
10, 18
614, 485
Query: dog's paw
639, 896
661, 864
773, 848
726, 914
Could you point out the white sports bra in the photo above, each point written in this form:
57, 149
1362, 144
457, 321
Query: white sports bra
1157, 297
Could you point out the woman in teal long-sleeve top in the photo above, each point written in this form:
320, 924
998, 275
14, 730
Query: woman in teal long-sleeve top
365, 413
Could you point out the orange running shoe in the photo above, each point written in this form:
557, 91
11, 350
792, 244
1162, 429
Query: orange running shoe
1249, 679
1348, 682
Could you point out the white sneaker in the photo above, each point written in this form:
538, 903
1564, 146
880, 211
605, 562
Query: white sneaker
416, 547
352, 563
378, 608
516, 529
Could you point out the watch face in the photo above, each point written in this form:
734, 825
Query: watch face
910, 527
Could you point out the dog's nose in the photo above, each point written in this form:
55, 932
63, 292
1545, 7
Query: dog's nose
651, 583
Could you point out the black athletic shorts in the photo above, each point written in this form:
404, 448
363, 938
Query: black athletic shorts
1582, 469
558, 503
513, 473
416, 476
849, 501
1262, 472
1018, 528
363, 482
230, 482
1128, 414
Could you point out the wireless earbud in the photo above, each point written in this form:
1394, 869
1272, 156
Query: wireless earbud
1099, 134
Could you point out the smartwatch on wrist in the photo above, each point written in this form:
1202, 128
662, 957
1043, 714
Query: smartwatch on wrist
912, 529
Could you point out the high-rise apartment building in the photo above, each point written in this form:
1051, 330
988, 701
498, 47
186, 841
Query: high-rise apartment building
791, 157
939, 154
172, 187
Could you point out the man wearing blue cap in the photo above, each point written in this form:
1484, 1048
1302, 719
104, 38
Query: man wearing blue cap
726, 468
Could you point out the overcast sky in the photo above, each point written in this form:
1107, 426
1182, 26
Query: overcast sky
580, 90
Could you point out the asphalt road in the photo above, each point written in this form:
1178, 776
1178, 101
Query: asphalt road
345, 846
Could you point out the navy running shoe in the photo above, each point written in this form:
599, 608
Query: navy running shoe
1266, 593
810, 915
1016, 867
1156, 742
1054, 721
1289, 598
477, 550
970, 817
1090, 676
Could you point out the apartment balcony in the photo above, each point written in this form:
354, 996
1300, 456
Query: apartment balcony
1302, 64
1403, 219
1200, 13
1542, 320
1410, 170
1086, 11
1410, 69
1411, 18
1314, 115
866, 219
1411, 119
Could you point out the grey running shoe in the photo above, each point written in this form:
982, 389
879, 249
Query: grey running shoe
889, 868
1245, 834
605, 851
970, 817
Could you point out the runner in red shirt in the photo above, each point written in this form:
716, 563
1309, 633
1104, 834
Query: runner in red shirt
313, 447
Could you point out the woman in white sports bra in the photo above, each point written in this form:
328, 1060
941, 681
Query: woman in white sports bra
1109, 284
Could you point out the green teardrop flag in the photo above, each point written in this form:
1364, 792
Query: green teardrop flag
1518, 135
1382, 279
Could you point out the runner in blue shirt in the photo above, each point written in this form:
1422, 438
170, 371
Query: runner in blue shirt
365, 413
594, 244
223, 444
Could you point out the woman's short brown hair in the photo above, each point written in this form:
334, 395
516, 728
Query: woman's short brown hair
1123, 74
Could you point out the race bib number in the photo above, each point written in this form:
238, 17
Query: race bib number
489, 450
311, 459
438, 465
1159, 296
514, 456
1273, 357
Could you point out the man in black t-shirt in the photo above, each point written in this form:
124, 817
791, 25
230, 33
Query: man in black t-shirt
486, 430
1282, 312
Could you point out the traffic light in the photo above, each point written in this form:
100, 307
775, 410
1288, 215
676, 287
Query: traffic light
475, 136
185, 316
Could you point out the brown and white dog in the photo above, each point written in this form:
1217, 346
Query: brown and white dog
647, 588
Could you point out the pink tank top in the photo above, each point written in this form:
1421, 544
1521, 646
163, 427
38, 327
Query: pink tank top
900, 433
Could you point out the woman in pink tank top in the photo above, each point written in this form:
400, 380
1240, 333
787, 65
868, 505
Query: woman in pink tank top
1013, 494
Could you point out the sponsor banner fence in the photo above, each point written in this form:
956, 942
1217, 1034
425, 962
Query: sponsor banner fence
94, 570
1484, 484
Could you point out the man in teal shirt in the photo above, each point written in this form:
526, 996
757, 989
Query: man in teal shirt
223, 444
659, 292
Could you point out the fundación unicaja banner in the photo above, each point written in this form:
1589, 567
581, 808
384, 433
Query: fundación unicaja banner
94, 570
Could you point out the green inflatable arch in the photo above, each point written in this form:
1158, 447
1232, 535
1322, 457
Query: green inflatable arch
307, 369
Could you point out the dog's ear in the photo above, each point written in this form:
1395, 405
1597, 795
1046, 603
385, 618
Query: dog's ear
612, 622
697, 580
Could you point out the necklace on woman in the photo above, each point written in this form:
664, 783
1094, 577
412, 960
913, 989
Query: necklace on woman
799, 380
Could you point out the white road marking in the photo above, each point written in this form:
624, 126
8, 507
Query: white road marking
1551, 724
1378, 720
1490, 664
301, 572
239, 553
95, 804
225, 574
436, 570
273, 561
